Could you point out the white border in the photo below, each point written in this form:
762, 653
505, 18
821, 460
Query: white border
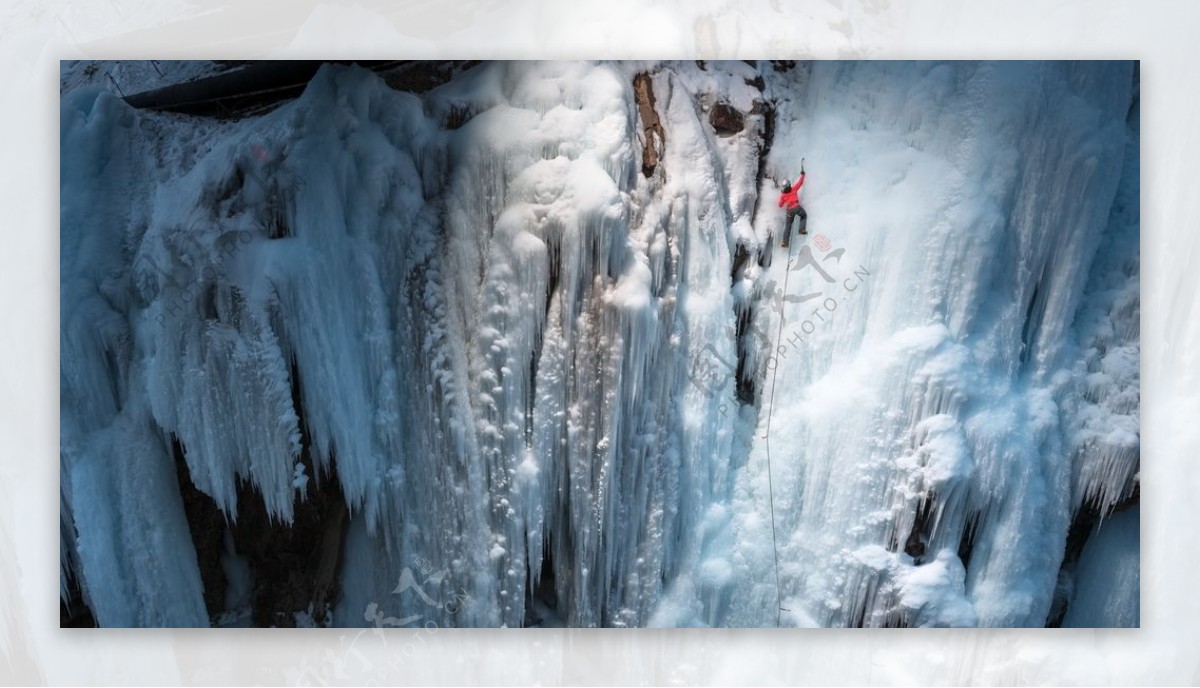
35, 35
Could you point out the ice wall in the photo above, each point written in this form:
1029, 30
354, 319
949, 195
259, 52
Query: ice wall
518, 350
924, 434
126, 535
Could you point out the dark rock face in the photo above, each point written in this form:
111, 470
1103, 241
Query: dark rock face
654, 138
726, 120
207, 525
252, 87
293, 566
1084, 524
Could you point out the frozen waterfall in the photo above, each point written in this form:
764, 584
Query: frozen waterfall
506, 352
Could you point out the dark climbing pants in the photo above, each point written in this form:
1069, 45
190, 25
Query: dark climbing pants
793, 213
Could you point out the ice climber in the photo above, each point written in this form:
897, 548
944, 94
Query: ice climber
791, 198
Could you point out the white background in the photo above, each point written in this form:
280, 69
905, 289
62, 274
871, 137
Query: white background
35, 35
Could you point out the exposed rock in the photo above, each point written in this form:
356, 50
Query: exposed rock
726, 120
207, 526
653, 137
1084, 524
420, 76
259, 86
74, 612
458, 116
745, 379
293, 566
767, 111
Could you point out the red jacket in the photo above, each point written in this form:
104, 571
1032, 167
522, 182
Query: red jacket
792, 198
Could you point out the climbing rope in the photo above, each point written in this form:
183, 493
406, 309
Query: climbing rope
770, 413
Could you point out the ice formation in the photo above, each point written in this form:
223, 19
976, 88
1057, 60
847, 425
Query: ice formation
531, 328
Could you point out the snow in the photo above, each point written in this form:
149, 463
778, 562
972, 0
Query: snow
517, 352
936, 591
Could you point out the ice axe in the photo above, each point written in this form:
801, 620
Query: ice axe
773, 175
